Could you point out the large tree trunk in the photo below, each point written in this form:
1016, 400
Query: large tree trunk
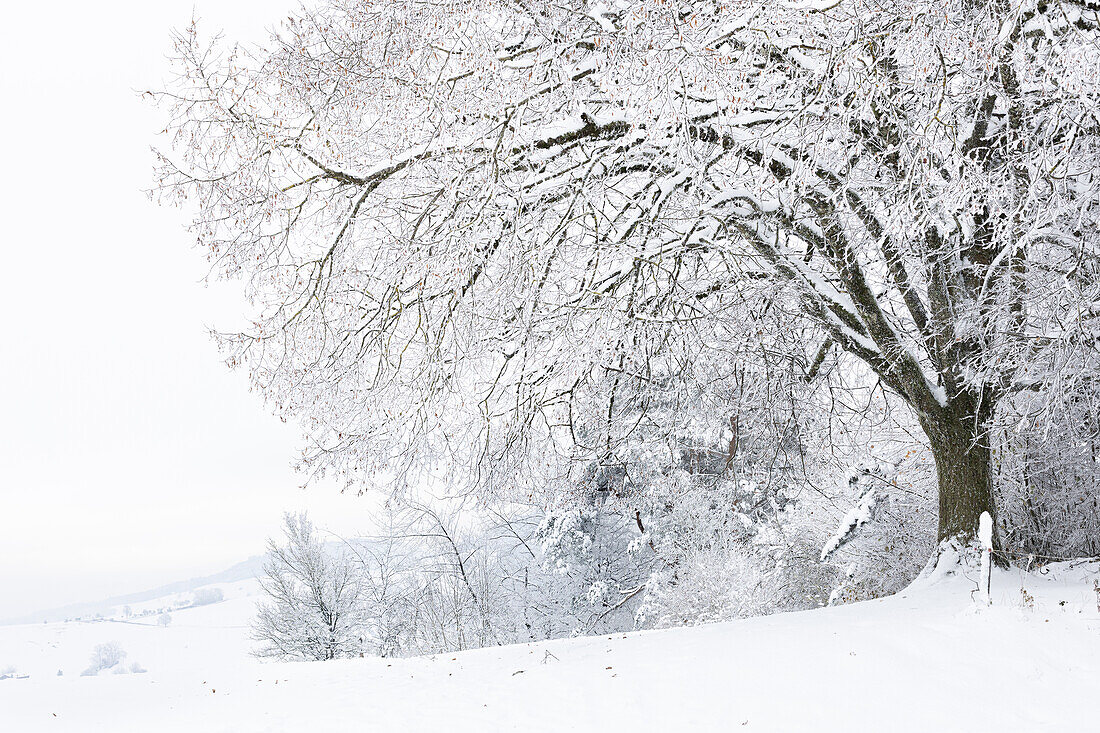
960, 447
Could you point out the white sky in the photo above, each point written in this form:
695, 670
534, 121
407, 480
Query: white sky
130, 455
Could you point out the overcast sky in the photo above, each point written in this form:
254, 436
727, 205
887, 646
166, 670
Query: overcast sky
129, 455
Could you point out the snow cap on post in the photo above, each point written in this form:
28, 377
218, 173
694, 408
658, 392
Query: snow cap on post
985, 531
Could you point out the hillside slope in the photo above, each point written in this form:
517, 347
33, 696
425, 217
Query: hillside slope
242, 571
927, 659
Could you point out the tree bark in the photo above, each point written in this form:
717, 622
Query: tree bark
964, 469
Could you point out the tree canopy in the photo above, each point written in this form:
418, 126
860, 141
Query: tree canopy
487, 233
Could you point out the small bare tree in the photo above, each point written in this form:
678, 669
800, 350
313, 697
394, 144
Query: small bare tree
313, 608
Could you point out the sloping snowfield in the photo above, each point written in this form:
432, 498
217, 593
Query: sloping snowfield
928, 659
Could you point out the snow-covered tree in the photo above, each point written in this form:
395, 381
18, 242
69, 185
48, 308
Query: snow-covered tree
105, 656
313, 604
473, 232
206, 596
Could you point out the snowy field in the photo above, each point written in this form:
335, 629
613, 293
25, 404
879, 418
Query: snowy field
927, 659
194, 638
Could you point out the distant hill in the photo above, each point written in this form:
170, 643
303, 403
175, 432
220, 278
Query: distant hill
250, 568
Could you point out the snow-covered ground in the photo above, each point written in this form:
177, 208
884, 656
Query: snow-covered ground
928, 659
195, 638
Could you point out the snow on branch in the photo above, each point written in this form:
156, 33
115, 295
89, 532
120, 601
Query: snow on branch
859, 515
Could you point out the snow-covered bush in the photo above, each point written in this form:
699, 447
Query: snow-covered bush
206, 596
1048, 476
873, 523
108, 655
469, 580
590, 567
713, 584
